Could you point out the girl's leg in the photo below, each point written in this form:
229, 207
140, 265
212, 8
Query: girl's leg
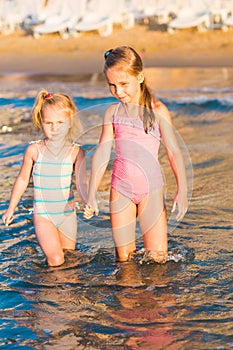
49, 239
66, 242
153, 223
70, 227
123, 221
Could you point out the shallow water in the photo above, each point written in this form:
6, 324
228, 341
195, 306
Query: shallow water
92, 302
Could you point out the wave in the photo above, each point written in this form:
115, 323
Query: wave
193, 105
200, 104
185, 105
188, 104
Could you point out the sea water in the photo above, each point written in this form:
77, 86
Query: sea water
93, 302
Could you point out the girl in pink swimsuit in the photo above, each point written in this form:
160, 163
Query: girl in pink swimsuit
52, 162
137, 124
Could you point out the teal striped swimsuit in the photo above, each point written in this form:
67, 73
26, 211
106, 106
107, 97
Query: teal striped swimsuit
53, 195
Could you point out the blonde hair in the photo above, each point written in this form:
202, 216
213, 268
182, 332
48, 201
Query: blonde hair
128, 57
44, 99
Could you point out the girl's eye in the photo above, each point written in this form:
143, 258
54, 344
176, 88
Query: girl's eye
50, 123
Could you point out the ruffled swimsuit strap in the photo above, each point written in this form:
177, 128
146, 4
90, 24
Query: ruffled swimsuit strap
116, 109
39, 154
74, 145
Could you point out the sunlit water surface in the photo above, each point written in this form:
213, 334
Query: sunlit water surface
93, 302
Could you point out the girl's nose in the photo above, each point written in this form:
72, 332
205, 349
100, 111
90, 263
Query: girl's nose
54, 127
118, 90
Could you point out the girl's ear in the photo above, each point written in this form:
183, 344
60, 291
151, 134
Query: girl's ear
141, 77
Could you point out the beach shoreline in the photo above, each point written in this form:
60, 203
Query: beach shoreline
22, 54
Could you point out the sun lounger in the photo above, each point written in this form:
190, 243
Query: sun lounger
62, 22
144, 10
226, 14
218, 17
101, 15
192, 14
219, 13
56, 24
10, 18
228, 23
36, 12
160, 11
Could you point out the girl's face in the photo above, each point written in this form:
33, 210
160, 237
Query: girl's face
124, 86
55, 123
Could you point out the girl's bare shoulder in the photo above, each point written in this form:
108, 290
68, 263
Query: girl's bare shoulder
77, 152
33, 148
109, 113
158, 105
160, 110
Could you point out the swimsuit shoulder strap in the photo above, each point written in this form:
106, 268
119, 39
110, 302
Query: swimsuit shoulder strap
116, 109
37, 147
34, 142
74, 145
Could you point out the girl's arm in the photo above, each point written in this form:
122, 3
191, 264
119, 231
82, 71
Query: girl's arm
99, 163
81, 175
175, 158
20, 184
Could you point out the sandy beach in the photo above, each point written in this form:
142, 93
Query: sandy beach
21, 53
93, 301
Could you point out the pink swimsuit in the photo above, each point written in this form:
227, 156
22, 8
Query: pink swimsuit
136, 171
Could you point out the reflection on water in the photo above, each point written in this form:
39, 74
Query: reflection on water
93, 302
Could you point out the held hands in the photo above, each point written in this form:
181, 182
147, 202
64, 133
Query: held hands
181, 201
91, 209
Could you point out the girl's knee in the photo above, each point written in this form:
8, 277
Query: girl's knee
56, 260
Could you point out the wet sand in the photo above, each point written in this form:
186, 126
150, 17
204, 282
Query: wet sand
21, 53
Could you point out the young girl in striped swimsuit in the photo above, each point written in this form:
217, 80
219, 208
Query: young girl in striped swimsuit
52, 162
137, 123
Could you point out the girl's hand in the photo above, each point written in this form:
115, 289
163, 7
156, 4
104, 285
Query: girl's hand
90, 211
7, 218
181, 201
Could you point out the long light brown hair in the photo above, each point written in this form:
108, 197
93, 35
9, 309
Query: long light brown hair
128, 57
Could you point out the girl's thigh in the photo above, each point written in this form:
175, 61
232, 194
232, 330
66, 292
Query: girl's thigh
48, 237
153, 221
68, 231
66, 242
123, 221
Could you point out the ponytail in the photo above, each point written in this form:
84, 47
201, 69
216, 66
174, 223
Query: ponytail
37, 109
146, 103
